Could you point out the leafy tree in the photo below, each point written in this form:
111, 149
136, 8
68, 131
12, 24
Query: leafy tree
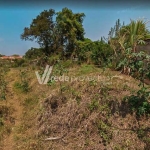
140, 65
71, 29
98, 52
135, 33
42, 29
84, 50
123, 37
34, 53
127, 36
56, 32
15, 55
101, 53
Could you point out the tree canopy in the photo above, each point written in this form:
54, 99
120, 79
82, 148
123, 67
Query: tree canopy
71, 28
56, 31
41, 29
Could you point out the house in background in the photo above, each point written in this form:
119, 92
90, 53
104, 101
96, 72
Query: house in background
11, 57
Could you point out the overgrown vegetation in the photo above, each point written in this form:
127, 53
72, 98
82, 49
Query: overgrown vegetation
23, 85
97, 113
139, 64
3, 83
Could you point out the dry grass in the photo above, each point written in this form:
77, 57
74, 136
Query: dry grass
86, 115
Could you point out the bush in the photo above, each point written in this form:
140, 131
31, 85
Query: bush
101, 53
19, 63
139, 63
23, 85
140, 102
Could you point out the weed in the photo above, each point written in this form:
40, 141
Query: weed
59, 70
78, 99
51, 82
93, 83
3, 83
104, 131
76, 95
23, 85
94, 105
28, 102
67, 63
1, 121
125, 87
140, 102
104, 90
86, 69
142, 134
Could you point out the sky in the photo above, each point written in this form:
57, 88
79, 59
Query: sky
99, 18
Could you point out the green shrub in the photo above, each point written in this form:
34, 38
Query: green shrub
104, 131
139, 63
18, 63
94, 105
23, 85
140, 102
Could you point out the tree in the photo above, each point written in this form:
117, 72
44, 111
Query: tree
34, 53
136, 32
58, 35
122, 37
101, 53
84, 50
114, 39
71, 29
15, 55
98, 52
42, 29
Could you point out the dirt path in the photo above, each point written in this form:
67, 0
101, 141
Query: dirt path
13, 101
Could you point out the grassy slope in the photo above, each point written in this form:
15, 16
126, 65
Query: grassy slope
85, 115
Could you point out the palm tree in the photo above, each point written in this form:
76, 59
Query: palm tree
136, 32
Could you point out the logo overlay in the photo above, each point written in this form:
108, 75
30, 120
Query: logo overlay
45, 77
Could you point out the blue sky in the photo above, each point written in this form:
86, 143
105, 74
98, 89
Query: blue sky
97, 22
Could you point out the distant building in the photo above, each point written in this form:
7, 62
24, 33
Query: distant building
11, 57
